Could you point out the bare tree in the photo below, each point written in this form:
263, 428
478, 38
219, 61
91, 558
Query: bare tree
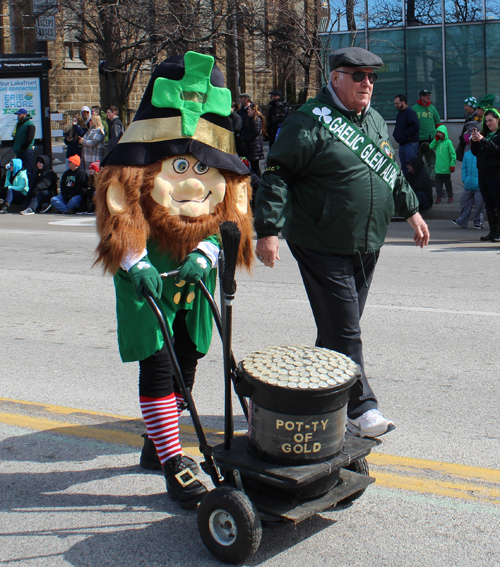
129, 35
296, 40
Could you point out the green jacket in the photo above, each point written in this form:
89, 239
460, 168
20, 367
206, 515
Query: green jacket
21, 136
428, 119
445, 152
321, 194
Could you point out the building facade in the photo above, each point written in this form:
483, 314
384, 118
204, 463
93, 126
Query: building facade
268, 44
450, 47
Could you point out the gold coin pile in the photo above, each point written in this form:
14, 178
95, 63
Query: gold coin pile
300, 367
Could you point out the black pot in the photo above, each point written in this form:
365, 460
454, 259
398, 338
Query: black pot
298, 403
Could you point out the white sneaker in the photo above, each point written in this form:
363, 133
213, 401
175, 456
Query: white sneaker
371, 424
28, 211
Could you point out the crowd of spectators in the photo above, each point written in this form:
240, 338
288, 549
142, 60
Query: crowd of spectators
91, 136
420, 134
251, 128
426, 154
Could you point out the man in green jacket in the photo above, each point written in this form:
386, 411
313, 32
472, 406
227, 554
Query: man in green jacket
428, 117
332, 185
24, 138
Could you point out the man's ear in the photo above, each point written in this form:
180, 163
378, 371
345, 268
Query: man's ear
115, 198
334, 78
242, 197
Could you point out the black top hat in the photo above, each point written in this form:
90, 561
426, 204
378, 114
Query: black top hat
185, 109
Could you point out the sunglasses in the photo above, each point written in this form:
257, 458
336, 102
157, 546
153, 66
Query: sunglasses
359, 76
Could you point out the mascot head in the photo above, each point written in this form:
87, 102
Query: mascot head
174, 175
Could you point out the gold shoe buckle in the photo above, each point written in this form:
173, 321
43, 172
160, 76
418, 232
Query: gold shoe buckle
185, 477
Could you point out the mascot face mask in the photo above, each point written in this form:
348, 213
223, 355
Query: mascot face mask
186, 186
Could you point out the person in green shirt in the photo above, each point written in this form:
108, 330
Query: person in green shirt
428, 117
24, 140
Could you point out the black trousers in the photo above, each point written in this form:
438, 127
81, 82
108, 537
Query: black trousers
490, 192
443, 178
337, 288
156, 373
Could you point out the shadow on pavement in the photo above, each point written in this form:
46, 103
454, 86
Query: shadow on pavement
108, 509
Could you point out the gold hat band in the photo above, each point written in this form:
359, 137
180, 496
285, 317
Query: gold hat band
163, 129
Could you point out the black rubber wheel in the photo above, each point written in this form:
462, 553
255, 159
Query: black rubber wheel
361, 467
229, 524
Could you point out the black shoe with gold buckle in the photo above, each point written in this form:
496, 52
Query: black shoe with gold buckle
182, 484
150, 460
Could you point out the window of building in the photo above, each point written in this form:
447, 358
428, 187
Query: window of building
465, 72
492, 9
423, 12
384, 13
424, 65
492, 60
389, 45
348, 15
75, 55
463, 10
467, 64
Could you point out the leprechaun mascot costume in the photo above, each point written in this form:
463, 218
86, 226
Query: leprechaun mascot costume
164, 190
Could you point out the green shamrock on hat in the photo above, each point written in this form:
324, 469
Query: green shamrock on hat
194, 94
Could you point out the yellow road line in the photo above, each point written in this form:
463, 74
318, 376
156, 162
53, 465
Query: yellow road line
390, 471
467, 491
61, 409
73, 429
461, 471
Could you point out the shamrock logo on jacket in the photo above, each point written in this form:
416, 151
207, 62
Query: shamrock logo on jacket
323, 113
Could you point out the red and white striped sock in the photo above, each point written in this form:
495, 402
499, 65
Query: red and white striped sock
180, 403
162, 423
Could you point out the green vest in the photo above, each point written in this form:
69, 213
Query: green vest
20, 137
139, 335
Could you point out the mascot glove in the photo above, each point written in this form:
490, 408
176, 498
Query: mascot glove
144, 274
452, 169
196, 267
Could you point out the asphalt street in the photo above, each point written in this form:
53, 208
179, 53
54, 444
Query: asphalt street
71, 490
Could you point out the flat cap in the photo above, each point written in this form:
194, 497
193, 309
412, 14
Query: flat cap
424, 92
276, 92
353, 57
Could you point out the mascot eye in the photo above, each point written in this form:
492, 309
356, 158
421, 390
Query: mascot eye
200, 168
180, 165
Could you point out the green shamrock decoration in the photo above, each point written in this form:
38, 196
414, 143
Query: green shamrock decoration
193, 95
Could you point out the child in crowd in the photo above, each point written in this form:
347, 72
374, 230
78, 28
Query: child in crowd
43, 187
88, 207
446, 158
73, 182
16, 185
471, 197
420, 182
71, 139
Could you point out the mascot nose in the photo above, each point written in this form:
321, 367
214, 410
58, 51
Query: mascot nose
190, 189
